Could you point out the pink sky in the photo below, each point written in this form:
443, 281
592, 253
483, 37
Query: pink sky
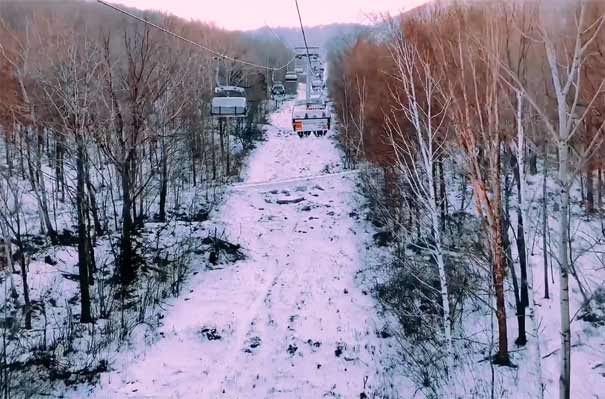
252, 14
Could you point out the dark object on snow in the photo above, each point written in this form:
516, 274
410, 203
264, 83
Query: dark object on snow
363, 395
49, 260
383, 238
30, 245
74, 299
184, 217
377, 223
314, 344
218, 246
9, 323
306, 208
292, 348
594, 311
67, 238
290, 201
201, 216
384, 334
211, 334
253, 343
339, 350
71, 276
346, 291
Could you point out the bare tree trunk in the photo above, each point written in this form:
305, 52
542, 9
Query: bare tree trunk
499, 257
195, 153
533, 162
8, 153
499, 274
564, 242
545, 222
94, 208
228, 139
39, 186
213, 151
23, 263
522, 253
127, 268
443, 194
163, 182
84, 267
7, 262
589, 203
59, 165
221, 132
443, 283
520, 310
511, 160
600, 189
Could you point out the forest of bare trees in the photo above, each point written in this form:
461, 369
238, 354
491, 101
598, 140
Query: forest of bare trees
477, 129
108, 147
480, 128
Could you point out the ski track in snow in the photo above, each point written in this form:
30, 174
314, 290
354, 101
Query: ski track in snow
292, 320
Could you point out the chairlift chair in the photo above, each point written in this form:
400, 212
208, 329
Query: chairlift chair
311, 116
291, 83
278, 91
301, 58
229, 102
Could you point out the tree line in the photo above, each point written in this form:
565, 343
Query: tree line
470, 102
105, 125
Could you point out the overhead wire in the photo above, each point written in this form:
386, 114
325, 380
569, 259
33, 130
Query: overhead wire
302, 28
205, 48
278, 37
278, 182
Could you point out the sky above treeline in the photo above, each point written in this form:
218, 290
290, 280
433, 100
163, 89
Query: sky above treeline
254, 14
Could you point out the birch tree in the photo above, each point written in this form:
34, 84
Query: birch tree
419, 148
566, 41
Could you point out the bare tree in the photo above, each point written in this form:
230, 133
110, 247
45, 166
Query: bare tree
418, 150
565, 61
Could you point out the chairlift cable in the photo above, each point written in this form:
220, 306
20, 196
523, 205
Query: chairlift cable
278, 37
208, 49
305, 178
302, 28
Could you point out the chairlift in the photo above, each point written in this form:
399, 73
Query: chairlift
301, 58
278, 91
229, 102
311, 116
291, 83
317, 84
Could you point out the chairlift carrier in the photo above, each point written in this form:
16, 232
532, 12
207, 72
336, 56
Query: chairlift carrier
229, 101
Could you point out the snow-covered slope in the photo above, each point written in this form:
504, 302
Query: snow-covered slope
290, 321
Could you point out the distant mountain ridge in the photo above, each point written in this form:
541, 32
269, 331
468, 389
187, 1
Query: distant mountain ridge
321, 35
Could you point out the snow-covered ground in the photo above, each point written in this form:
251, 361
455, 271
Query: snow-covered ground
290, 321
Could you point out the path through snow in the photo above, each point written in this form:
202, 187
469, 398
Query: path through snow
290, 320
